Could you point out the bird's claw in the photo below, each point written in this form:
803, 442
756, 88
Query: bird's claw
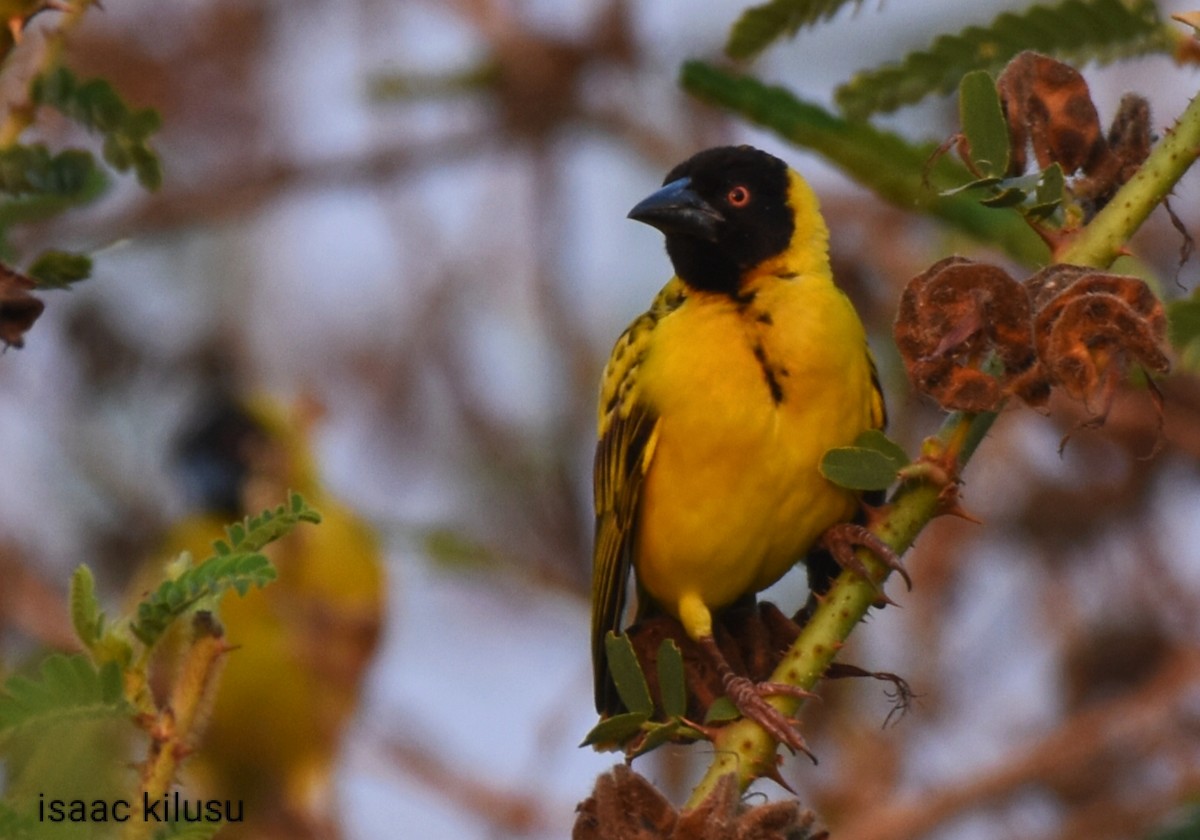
842, 539
750, 699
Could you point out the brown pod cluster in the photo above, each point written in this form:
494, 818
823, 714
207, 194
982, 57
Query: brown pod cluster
1089, 326
952, 318
18, 308
1068, 326
625, 805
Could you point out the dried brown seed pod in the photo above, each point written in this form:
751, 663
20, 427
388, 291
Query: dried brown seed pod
18, 308
1089, 326
952, 318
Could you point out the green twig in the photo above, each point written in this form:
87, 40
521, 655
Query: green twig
175, 729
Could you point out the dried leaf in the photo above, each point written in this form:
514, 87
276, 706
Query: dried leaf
623, 804
18, 309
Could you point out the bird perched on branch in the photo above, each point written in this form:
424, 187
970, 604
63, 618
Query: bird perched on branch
302, 644
716, 408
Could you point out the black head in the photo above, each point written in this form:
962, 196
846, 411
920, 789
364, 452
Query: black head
724, 211
213, 456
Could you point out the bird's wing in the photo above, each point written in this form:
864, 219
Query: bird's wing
879, 417
628, 430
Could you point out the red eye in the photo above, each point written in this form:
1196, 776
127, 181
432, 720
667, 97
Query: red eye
739, 196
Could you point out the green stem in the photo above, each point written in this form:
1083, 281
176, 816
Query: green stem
175, 729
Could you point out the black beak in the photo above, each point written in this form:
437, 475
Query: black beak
676, 208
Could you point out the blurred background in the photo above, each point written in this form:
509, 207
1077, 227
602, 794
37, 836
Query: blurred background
410, 218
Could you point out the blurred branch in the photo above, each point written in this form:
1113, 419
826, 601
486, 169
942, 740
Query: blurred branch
31, 606
1120, 733
238, 189
510, 811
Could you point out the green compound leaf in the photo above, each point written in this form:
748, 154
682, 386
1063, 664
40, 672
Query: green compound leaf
97, 106
209, 579
759, 26
983, 124
236, 564
1076, 31
870, 464
895, 169
67, 688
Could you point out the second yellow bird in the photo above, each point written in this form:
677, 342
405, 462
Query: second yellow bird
718, 404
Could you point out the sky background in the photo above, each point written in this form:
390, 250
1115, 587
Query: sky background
445, 271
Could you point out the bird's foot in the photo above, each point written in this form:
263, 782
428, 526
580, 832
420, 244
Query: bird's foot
750, 699
842, 539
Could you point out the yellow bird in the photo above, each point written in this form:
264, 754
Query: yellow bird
717, 406
302, 644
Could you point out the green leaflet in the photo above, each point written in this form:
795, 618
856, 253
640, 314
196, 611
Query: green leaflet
870, 464
671, 680
627, 674
55, 269
983, 124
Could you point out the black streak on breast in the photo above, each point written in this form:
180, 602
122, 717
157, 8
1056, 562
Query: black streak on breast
769, 374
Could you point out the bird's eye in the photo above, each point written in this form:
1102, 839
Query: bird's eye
739, 196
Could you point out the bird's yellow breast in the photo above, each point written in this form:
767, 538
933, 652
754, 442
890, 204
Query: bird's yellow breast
750, 393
